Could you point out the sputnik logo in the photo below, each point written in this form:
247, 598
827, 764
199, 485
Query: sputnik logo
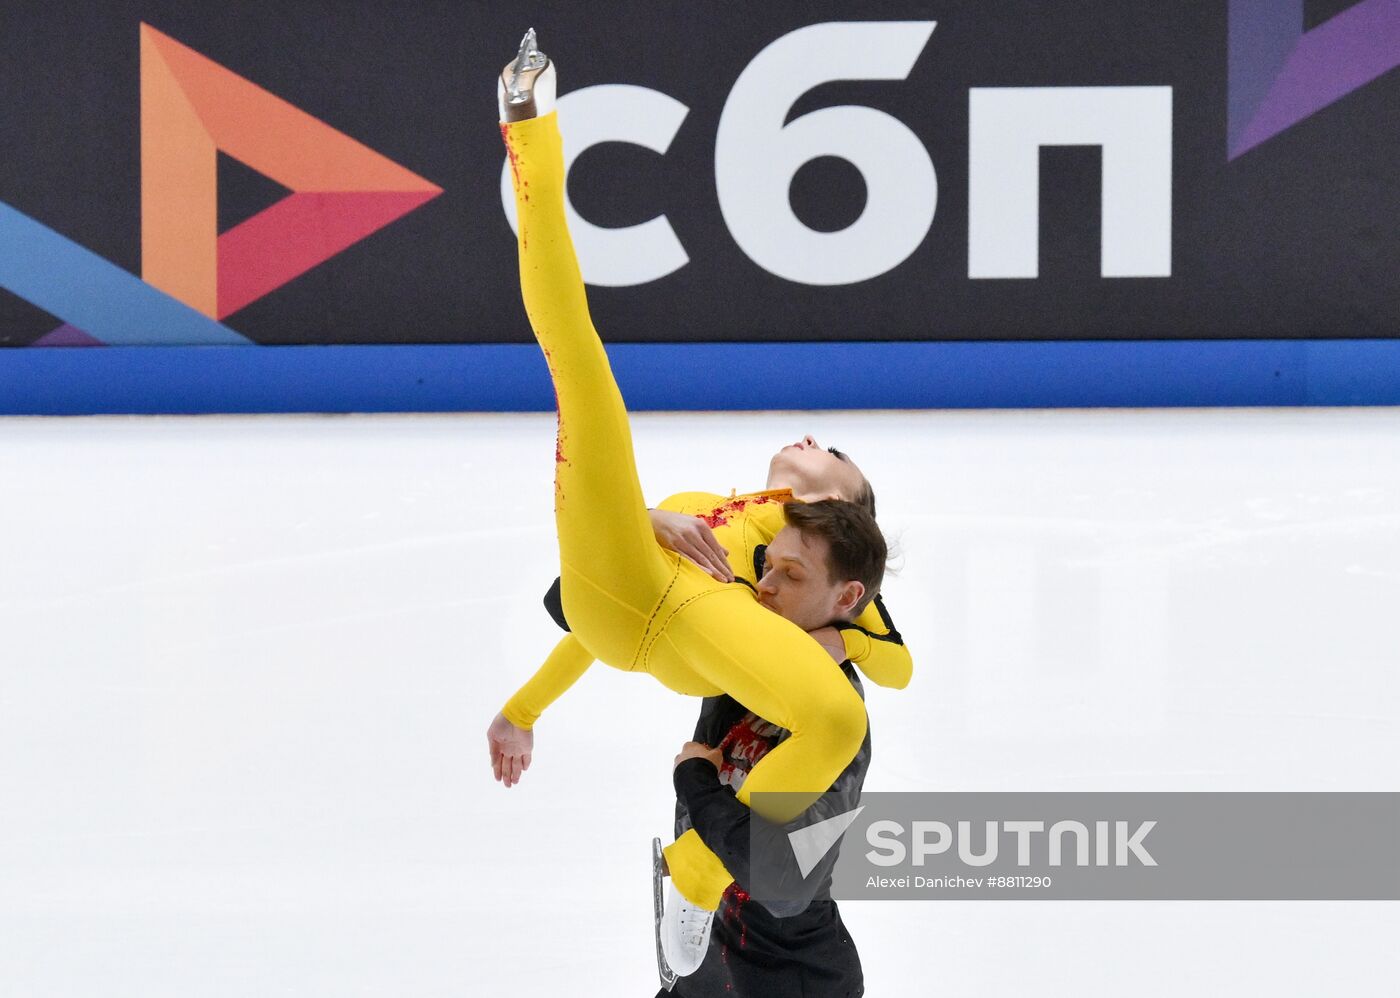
812, 843
194, 276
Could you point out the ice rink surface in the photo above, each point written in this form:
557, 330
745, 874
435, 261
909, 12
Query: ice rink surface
248, 664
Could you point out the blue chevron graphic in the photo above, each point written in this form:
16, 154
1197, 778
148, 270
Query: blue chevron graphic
64, 279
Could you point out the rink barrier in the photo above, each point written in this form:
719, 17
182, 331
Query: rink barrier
704, 376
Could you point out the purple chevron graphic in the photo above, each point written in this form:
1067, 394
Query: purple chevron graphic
67, 336
1281, 74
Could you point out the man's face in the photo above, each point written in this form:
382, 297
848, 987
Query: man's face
797, 585
814, 472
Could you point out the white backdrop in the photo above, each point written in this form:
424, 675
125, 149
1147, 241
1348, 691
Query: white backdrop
247, 664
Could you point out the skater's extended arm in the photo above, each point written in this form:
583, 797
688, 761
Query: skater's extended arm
876, 648
566, 663
511, 737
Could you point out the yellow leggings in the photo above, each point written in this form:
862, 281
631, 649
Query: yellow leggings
630, 603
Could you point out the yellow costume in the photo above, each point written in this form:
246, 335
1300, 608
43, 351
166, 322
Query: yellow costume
742, 524
630, 603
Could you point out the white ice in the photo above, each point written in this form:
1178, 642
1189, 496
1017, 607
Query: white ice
247, 664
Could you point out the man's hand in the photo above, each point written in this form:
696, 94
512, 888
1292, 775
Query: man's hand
830, 639
691, 537
510, 750
699, 750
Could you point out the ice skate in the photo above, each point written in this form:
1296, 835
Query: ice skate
682, 929
658, 871
526, 86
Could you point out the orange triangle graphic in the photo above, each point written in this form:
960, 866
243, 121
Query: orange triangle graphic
191, 109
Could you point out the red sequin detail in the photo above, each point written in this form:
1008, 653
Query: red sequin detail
720, 515
744, 746
732, 907
510, 151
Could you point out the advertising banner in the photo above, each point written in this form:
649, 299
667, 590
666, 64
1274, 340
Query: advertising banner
816, 173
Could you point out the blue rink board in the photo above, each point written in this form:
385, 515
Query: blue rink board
704, 376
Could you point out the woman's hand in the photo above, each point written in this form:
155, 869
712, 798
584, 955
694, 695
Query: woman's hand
511, 748
691, 538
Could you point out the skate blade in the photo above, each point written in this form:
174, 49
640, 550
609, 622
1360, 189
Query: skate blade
668, 976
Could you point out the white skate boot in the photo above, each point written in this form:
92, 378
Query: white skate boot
685, 933
682, 930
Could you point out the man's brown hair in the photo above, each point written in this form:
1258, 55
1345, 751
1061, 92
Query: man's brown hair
858, 549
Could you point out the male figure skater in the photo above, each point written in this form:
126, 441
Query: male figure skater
797, 948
